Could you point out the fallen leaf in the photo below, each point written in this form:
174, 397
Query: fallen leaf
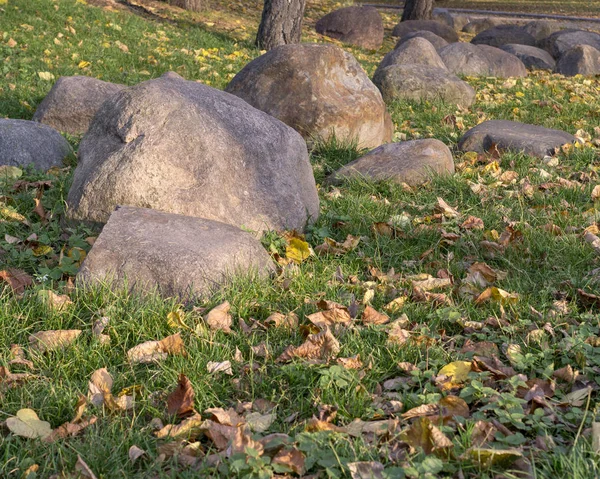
289, 320
446, 209
298, 250
289, 460
372, 316
321, 346
242, 440
258, 422
188, 428
366, 470
181, 400
497, 295
99, 384
152, 351
17, 355
17, 279
330, 246
47, 76
175, 319
219, 319
227, 417
57, 302
482, 433
219, 367
83, 469
26, 423
135, 453
453, 375
423, 434
353, 362
43, 341
488, 458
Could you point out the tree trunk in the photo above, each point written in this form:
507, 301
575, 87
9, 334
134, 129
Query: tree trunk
417, 10
281, 23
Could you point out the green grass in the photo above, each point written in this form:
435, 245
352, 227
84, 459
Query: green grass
541, 268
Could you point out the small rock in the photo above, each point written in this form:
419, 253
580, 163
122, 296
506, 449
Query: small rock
410, 26
411, 162
72, 103
360, 26
177, 255
532, 140
24, 143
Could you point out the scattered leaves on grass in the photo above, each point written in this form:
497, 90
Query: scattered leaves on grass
51, 340
153, 351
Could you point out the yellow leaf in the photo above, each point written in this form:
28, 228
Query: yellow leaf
27, 424
3, 2
83, 64
494, 457
42, 250
454, 374
46, 76
297, 250
10, 172
175, 319
10, 214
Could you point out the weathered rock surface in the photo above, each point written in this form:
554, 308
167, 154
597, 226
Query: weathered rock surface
478, 25
437, 41
186, 148
24, 143
532, 140
174, 254
72, 103
542, 29
532, 57
410, 26
460, 21
442, 15
360, 26
319, 90
423, 82
579, 60
503, 64
411, 162
561, 42
481, 60
503, 34
414, 51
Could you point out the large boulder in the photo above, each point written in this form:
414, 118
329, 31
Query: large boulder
579, 60
72, 103
443, 15
360, 26
411, 162
561, 42
423, 82
503, 64
513, 136
532, 57
319, 90
467, 59
414, 51
437, 41
186, 148
176, 255
503, 34
24, 143
478, 25
410, 26
542, 29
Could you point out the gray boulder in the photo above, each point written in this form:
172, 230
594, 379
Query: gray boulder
24, 143
478, 25
414, 51
460, 21
503, 64
503, 34
360, 26
513, 136
176, 255
411, 162
542, 29
466, 59
442, 15
186, 148
561, 42
436, 41
410, 26
72, 103
423, 82
579, 60
532, 57
319, 90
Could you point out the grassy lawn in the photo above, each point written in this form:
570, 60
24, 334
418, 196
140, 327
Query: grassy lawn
539, 322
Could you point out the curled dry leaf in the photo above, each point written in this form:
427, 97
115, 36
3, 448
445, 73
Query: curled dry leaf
219, 367
258, 422
219, 319
331, 314
396, 304
242, 440
289, 320
432, 283
13, 379
497, 295
353, 362
181, 400
321, 347
152, 351
331, 246
446, 209
227, 417
372, 316
16, 279
135, 453
188, 428
99, 384
57, 302
423, 434
473, 223
83, 469
17, 355
43, 341
289, 459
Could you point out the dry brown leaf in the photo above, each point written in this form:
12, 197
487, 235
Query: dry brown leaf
372, 316
482, 433
432, 283
473, 223
135, 453
330, 246
366, 470
13, 379
39, 209
423, 434
57, 302
17, 279
497, 295
83, 469
353, 362
70, 429
321, 347
43, 341
152, 351
227, 417
422, 411
289, 320
331, 314
188, 428
290, 458
446, 209
17, 354
242, 440
453, 406
219, 319
181, 400
397, 334
565, 374
219, 367
593, 240
100, 383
